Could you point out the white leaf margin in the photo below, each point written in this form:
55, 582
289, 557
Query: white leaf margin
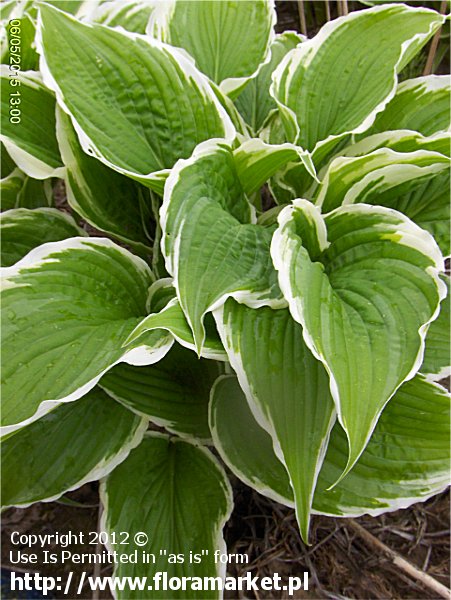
309, 49
103, 467
181, 57
218, 540
172, 260
168, 282
140, 356
263, 419
395, 172
411, 236
29, 164
158, 26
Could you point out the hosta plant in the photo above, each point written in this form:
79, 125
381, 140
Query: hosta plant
266, 280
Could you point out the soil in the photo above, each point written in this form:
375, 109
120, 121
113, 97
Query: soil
339, 562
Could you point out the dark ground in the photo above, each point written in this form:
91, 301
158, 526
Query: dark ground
340, 563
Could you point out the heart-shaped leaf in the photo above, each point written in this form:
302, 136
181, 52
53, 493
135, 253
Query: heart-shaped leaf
363, 282
178, 495
228, 40
68, 307
168, 109
211, 246
88, 439
287, 390
406, 460
336, 83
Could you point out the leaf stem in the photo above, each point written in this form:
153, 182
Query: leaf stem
301, 9
434, 44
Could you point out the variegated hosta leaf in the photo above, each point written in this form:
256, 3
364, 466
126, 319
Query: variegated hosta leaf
406, 460
211, 247
35, 193
24, 53
166, 313
173, 393
17, 190
168, 109
176, 493
257, 161
287, 390
421, 104
415, 183
88, 439
10, 187
22, 229
228, 40
437, 351
172, 318
7, 165
402, 140
32, 142
68, 307
364, 179
363, 282
337, 82
107, 200
244, 445
132, 15
255, 102
427, 205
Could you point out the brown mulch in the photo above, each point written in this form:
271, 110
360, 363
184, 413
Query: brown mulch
339, 562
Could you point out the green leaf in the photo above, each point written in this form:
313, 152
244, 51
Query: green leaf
414, 183
211, 247
336, 83
244, 445
32, 142
70, 303
22, 230
172, 318
287, 390
107, 200
257, 161
35, 193
402, 140
437, 352
10, 187
20, 191
173, 393
421, 104
228, 40
406, 460
132, 15
6, 162
372, 177
168, 109
178, 495
88, 439
24, 52
255, 102
363, 282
